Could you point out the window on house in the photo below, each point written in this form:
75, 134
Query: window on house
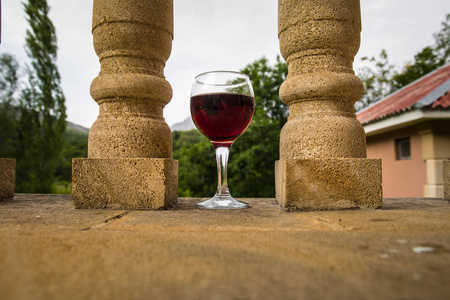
403, 148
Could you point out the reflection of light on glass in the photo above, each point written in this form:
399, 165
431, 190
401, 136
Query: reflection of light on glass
209, 80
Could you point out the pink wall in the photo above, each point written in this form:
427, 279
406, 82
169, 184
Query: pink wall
401, 178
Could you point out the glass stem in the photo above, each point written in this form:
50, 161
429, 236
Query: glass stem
222, 153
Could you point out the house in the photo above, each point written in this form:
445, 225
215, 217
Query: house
410, 131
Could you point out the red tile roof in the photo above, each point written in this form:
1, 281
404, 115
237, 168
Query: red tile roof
431, 91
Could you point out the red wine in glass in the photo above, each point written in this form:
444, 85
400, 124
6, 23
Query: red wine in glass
222, 106
222, 117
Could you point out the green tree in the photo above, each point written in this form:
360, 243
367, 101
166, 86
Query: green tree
377, 79
196, 164
42, 120
251, 168
76, 145
9, 80
442, 40
197, 175
183, 139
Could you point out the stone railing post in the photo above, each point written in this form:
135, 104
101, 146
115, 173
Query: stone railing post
435, 152
7, 178
446, 179
129, 162
323, 162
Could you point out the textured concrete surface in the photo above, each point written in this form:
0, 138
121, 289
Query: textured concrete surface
446, 174
124, 183
7, 178
318, 40
326, 184
49, 250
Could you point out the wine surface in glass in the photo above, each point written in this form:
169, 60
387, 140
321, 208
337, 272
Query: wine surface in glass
222, 117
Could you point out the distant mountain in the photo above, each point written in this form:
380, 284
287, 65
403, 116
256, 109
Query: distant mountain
77, 127
15, 111
187, 124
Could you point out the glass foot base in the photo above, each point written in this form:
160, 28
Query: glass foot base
222, 202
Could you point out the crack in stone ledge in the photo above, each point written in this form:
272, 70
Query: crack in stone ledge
107, 221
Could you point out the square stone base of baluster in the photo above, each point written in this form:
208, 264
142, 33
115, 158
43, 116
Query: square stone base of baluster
7, 178
446, 182
124, 183
328, 184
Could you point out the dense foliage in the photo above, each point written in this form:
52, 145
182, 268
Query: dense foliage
42, 120
9, 79
75, 145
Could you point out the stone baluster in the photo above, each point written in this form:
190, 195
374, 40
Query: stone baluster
7, 178
446, 179
435, 138
129, 162
323, 162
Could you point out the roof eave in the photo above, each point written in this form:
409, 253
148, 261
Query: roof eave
404, 120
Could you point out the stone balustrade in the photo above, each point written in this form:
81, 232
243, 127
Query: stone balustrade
322, 162
7, 178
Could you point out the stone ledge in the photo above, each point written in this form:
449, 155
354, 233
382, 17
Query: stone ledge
7, 178
49, 250
124, 183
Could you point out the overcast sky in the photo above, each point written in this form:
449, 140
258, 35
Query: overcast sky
211, 35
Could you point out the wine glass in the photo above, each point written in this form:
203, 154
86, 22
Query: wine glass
222, 106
